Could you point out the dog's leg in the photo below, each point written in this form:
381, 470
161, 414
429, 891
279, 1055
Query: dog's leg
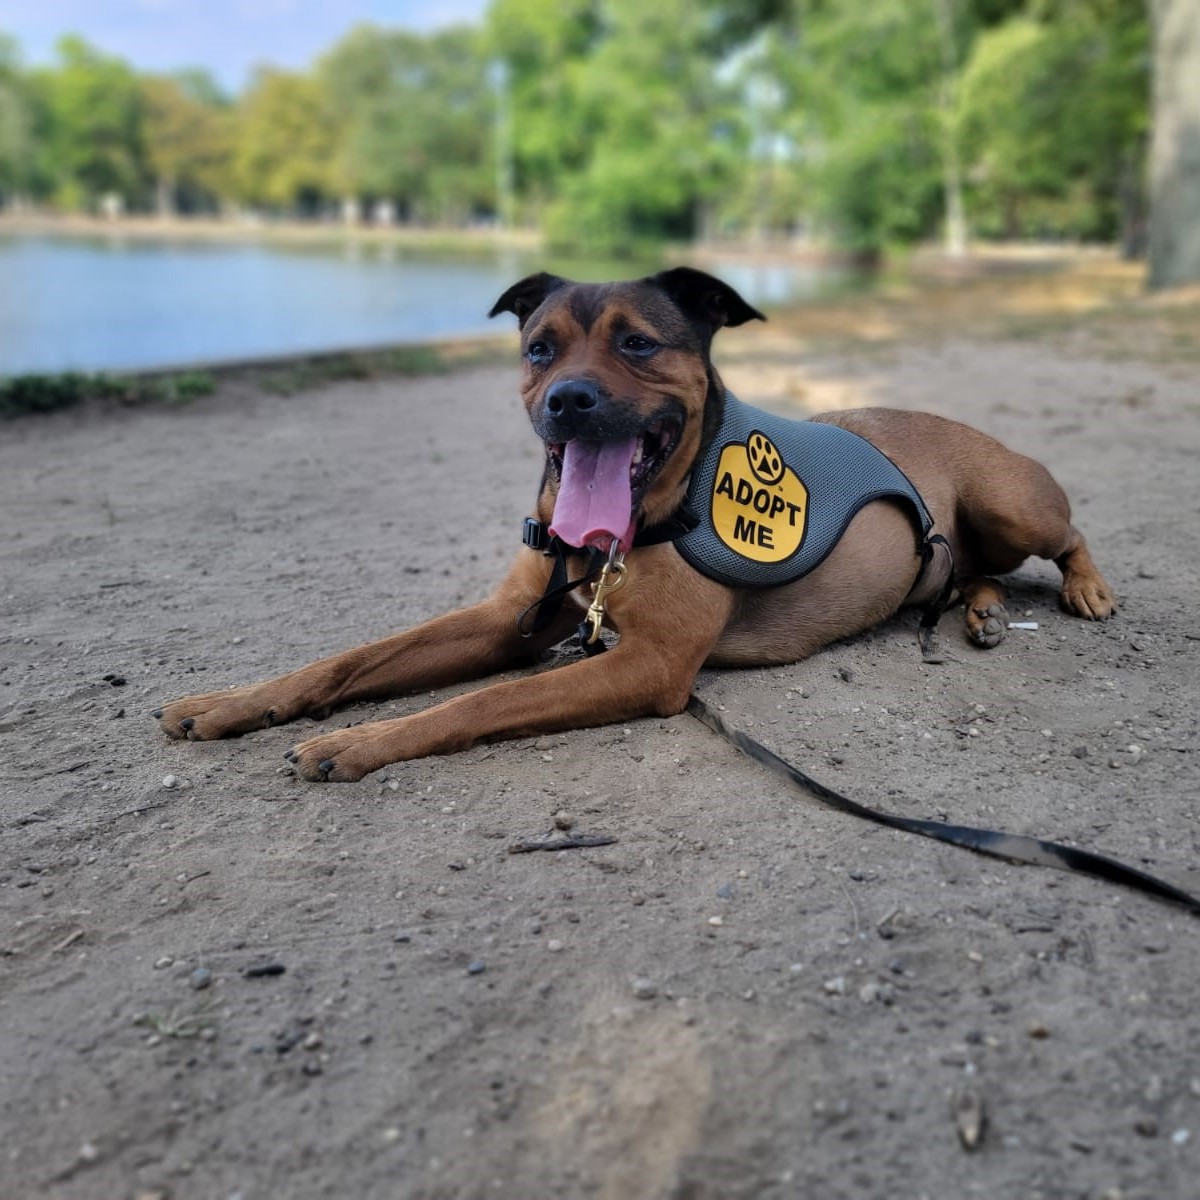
650, 671
1012, 508
1085, 592
461, 645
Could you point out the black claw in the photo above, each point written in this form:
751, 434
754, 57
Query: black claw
290, 755
157, 714
187, 723
325, 766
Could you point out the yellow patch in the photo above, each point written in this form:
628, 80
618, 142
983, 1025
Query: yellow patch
759, 505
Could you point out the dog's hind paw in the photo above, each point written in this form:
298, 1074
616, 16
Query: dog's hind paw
1088, 595
986, 626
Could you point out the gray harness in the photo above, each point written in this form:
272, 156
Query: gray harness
774, 496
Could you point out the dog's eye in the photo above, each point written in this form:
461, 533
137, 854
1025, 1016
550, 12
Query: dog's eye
638, 345
539, 352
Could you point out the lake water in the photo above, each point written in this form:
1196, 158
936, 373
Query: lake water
115, 304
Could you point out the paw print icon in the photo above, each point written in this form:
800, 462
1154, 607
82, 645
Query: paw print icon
765, 460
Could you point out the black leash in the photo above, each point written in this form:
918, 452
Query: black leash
1011, 846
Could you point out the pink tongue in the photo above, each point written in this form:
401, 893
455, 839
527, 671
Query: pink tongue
595, 504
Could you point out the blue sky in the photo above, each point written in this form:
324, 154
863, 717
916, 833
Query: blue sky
229, 37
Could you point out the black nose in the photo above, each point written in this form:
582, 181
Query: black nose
572, 397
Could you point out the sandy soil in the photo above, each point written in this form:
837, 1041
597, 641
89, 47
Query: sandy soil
452, 1020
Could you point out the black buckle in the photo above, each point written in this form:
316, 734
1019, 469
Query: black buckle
533, 534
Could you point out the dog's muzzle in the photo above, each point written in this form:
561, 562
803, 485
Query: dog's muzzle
581, 408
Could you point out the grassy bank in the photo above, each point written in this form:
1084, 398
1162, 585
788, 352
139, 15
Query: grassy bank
22, 395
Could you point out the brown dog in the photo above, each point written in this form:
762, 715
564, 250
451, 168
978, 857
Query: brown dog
619, 385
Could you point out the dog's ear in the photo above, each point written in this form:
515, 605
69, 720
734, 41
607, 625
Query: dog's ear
706, 299
527, 295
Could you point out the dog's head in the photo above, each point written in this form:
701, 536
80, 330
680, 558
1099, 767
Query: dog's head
620, 387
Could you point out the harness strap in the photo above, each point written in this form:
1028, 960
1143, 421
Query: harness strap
558, 587
932, 613
1011, 846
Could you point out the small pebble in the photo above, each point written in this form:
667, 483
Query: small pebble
161, 964
644, 989
835, 986
563, 819
1038, 1030
170, 781
716, 922
1147, 1125
1181, 1137
201, 978
554, 945
477, 967
314, 1041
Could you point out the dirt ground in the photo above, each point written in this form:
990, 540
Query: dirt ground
747, 995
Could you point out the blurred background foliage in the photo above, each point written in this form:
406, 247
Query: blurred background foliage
609, 124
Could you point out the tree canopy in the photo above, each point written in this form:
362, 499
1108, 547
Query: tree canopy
612, 122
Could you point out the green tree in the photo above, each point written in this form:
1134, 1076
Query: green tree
414, 116
16, 124
622, 130
93, 126
862, 83
1053, 110
545, 49
284, 144
188, 140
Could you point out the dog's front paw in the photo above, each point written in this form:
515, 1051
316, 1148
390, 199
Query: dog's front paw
986, 626
221, 714
341, 757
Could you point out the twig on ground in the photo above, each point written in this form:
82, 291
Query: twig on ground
574, 842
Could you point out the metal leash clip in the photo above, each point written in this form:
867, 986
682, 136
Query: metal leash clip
612, 578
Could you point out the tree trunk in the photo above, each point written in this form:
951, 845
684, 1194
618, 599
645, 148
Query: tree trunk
1175, 149
952, 176
164, 198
